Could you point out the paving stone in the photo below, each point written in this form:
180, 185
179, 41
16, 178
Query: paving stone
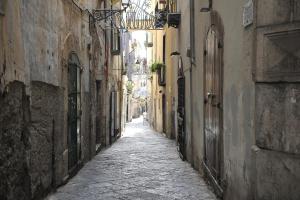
142, 165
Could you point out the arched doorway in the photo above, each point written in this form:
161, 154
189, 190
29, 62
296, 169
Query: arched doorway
74, 111
213, 101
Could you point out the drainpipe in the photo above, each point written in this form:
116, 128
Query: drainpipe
192, 60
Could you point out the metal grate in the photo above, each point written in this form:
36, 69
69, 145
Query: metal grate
137, 16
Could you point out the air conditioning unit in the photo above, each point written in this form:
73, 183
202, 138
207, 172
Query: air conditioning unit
173, 19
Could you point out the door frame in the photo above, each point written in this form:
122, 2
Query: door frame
181, 126
73, 168
217, 26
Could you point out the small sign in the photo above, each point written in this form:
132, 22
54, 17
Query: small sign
248, 13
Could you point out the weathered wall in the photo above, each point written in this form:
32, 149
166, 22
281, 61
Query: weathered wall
184, 46
45, 129
277, 116
201, 26
14, 143
157, 91
261, 95
36, 39
171, 80
40, 30
12, 66
238, 91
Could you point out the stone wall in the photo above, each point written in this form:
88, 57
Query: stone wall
260, 144
45, 129
277, 99
37, 39
15, 181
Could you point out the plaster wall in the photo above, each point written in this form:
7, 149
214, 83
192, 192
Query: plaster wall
259, 139
184, 46
37, 39
171, 84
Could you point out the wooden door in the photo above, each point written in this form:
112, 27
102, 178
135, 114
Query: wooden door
213, 105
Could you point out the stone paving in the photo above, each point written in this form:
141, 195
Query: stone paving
141, 165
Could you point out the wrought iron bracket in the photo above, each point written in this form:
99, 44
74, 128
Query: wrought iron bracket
134, 17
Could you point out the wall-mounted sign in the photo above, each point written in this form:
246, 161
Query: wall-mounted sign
248, 13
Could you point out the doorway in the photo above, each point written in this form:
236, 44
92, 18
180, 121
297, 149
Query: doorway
213, 116
74, 111
99, 138
181, 110
164, 113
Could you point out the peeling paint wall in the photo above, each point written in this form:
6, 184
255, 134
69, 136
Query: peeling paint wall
14, 143
45, 125
36, 39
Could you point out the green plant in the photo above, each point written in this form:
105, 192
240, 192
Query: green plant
156, 66
129, 87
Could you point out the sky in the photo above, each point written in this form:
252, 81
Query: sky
140, 37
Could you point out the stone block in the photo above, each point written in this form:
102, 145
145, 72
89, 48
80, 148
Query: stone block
278, 117
270, 12
278, 54
277, 176
45, 111
14, 143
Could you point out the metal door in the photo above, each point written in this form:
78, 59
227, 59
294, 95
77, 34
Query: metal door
213, 105
181, 109
99, 139
112, 117
73, 110
181, 116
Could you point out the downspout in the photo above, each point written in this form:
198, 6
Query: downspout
192, 60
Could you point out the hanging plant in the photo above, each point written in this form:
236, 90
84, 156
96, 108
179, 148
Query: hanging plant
129, 86
156, 66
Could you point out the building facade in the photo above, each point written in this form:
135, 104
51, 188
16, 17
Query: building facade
60, 95
231, 69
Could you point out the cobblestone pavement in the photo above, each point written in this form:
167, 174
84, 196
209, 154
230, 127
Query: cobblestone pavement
141, 165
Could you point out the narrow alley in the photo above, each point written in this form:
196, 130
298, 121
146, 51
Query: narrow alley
217, 82
143, 164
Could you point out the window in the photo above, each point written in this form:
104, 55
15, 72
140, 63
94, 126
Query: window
162, 70
162, 76
164, 49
